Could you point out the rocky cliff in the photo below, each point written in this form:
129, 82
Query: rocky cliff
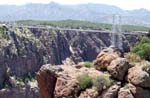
111, 76
24, 50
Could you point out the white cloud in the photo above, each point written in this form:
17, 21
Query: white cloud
125, 4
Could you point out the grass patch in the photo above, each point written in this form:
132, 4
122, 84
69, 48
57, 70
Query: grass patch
132, 57
3, 33
102, 82
143, 48
25, 79
88, 64
126, 86
85, 81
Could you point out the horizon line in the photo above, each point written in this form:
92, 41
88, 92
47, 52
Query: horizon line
27, 3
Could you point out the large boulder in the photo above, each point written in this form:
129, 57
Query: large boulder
139, 77
61, 81
105, 57
46, 78
131, 91
139, 92
89, 93
118, 68
66, 87
112, 92
125, 93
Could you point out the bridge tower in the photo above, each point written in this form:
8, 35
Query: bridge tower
116, 39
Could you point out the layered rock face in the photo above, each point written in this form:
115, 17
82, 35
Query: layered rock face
24, 92
120, 79
25, 50
28, 49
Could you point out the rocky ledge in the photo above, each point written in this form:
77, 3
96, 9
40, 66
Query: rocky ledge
112, 76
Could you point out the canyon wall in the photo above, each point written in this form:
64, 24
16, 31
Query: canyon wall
25, 50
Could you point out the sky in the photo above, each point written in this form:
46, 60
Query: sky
124, 4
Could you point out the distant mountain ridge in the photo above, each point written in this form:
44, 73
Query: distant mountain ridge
90, 12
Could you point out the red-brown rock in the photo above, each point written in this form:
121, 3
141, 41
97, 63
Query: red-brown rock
46, 82
89, 93
139, 92
112, 92
139, 77
118, 68
105, 58
61, 81
125, 93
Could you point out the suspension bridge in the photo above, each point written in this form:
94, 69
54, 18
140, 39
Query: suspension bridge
116, 32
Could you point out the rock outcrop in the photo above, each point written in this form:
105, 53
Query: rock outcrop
112, 92
89, 93
30, 48
118, 68
66, 84
105, 57
119, 80
125, 93
138, 92
139, 77
25, 50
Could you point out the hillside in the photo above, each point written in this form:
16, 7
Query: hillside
91, 12
83, 24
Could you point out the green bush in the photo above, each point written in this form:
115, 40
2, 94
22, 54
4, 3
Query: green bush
3, 33
126, 86
85, 81
88, 64
132, 57
20, 82
102, 82
143, 48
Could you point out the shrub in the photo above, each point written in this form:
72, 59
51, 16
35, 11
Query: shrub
20, 82
3, 33
27, 78
102, 82
85, 81
132, 57
145, 40
126, 86
88, 64
143, 48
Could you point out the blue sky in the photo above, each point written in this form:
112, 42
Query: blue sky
124, 4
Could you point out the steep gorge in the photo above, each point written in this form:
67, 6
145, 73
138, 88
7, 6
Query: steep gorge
25, 50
